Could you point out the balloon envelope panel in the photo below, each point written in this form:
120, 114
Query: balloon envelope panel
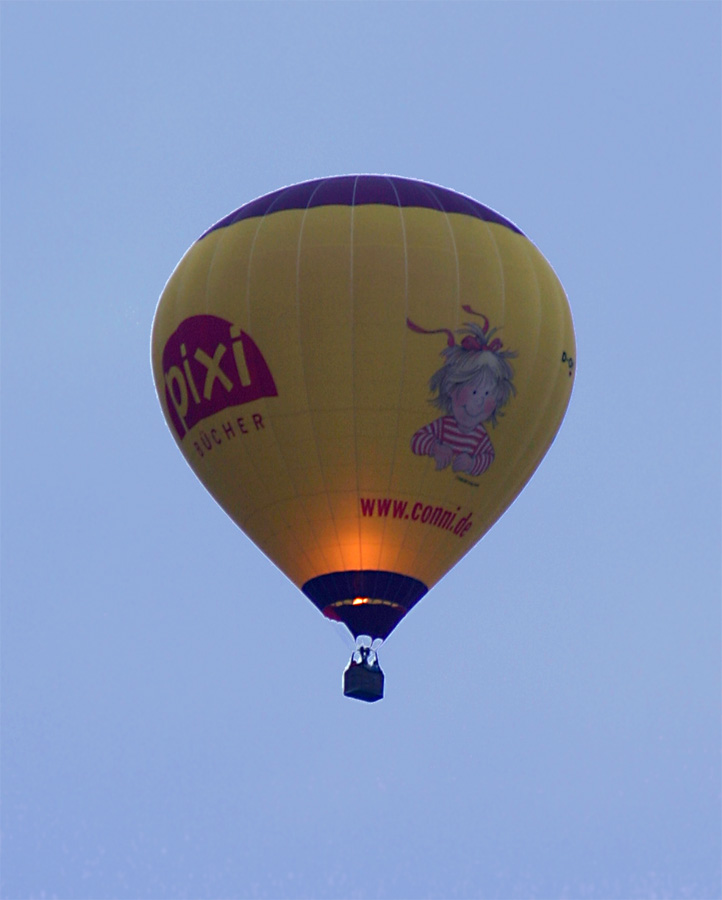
364, 372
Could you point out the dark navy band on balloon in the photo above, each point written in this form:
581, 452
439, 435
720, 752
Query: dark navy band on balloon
398, 594
362, 190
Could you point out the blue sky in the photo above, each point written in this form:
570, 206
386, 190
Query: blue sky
172, 719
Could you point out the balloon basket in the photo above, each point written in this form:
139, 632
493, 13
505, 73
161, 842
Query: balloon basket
363, 678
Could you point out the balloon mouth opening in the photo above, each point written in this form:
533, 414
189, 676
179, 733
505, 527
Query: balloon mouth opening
361, 601
366, 615
368, 601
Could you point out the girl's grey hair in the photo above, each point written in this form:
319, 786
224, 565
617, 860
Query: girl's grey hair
463, 364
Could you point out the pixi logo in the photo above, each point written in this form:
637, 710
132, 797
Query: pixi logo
208, 365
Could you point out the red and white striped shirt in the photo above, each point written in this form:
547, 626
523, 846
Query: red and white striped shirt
446, 430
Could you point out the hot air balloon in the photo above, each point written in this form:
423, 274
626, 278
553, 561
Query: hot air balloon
364, 371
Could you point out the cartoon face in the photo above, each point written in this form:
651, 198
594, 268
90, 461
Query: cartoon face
474, 401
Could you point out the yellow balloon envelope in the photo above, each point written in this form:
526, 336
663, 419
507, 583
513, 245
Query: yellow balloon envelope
364, 371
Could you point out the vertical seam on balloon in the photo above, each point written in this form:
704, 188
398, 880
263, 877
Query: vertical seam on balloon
441, 209
403, 367
555, 315
412, 566
261, 220
499, 257
502, 488
290, 532
530, 432
248, 459
429, 538
500, 262
303, 369
421, 544
353, 373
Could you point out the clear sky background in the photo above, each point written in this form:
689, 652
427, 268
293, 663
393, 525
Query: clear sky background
172, 718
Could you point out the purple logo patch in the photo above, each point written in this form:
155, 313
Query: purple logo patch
208, 365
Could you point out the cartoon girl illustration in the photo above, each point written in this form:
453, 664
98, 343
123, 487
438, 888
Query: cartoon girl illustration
471, 388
